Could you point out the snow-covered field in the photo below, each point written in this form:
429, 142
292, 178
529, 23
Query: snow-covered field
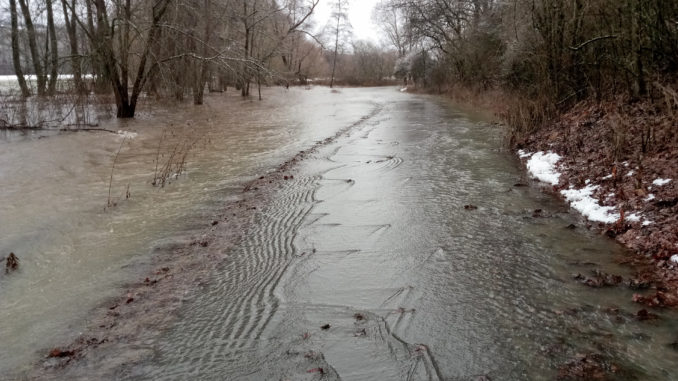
9, 82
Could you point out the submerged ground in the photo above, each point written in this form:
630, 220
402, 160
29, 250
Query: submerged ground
399, 250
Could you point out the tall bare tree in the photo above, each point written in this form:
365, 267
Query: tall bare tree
340, 30
16, 53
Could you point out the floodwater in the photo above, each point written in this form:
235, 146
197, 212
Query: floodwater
366, 265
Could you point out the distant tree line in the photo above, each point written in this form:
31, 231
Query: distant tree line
180, 48
168, 48
552, 52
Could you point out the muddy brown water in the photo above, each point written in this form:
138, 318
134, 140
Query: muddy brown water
371, 237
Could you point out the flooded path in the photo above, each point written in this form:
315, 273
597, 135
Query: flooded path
366, 265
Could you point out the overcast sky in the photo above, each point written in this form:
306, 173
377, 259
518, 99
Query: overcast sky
360, 15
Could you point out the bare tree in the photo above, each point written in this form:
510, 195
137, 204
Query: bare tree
52, 49
33, 45
392, 22
16, 53
117, 61
341, 30
72, 31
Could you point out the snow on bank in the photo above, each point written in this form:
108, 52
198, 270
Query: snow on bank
661, 182
582, 201
542, 166
127, 134
523, 154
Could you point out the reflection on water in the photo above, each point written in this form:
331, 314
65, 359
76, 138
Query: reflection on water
365, 266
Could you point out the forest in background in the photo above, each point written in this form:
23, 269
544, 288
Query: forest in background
539, 58
544, 56
174, 49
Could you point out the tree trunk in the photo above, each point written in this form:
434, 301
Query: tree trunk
336, 49
16, 54
53, 49
71, 28
33, 45
101, 83
203, 65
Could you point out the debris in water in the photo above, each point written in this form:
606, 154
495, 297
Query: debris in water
659, 299
643, 315
358, 316
325, 327
599, 279
12, 263
56, 352
129, 300
571, 226
360, 333
470, 207
316, 370
215, 223
590, 366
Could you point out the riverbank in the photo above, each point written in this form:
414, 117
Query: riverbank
618, 166
615, 164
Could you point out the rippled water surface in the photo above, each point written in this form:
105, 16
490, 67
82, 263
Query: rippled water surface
370, 241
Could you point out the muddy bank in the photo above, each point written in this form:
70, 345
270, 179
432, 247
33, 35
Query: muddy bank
628, 158
126, 326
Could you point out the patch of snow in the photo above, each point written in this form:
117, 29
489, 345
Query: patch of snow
582, 201
649, 197
404, 89
587, 181
660, 182
542, 166
630, 173
647, 222
674, 258
127, 134
607, 177
633, 217
626, 163
523, 154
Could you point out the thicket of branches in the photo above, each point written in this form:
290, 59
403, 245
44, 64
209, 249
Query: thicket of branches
170, 48
553, 53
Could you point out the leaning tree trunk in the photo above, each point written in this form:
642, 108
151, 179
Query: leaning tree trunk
33, 46
16, 54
